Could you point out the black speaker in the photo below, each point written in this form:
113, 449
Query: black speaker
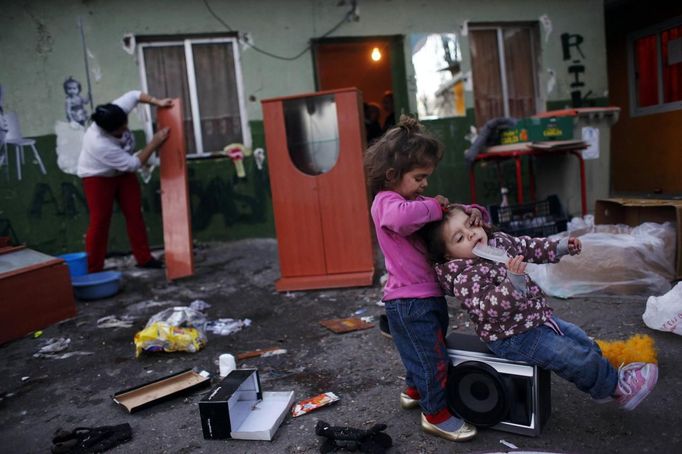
488, 391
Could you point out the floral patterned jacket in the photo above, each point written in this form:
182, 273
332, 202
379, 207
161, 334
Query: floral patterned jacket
498, 308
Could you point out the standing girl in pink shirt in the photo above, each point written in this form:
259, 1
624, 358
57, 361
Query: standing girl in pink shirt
398, 166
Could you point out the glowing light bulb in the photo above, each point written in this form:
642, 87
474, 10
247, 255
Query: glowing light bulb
376, 54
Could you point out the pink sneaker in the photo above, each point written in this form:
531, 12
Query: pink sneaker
635, 382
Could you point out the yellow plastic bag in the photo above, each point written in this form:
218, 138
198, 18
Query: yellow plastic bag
160, 336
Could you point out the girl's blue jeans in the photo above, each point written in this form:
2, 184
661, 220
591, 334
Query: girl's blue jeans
573, 356
418, 327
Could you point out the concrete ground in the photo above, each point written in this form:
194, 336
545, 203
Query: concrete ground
39, 395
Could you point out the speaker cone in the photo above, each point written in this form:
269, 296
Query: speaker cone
476, 393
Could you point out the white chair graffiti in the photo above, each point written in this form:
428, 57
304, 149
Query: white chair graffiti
15, 138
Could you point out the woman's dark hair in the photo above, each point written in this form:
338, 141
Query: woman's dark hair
403, 148
109, 117
432, 235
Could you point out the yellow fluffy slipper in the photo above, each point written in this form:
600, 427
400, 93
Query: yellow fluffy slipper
638, 348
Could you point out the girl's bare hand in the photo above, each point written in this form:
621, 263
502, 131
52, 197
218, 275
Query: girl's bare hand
443, 201
574, 245
516, 265
475, 218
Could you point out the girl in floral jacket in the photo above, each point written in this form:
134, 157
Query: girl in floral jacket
510, 312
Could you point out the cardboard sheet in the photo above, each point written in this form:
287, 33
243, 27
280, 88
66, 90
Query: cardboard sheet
143, 396
345, 325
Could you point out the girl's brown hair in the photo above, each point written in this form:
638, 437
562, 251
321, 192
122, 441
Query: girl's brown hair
403, 148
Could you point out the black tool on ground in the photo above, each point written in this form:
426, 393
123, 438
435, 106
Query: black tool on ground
85, 440
372, 441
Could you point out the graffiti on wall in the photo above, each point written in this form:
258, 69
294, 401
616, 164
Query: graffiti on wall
218, 196
570, 46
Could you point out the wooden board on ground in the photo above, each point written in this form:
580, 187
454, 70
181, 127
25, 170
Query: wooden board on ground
345, 325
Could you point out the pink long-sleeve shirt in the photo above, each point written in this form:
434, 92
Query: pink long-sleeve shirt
396, 220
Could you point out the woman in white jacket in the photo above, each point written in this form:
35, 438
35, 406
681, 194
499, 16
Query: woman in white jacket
107, 167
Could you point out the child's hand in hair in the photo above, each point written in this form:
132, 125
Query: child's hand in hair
516, 265
443, 202
574, 245
475, 218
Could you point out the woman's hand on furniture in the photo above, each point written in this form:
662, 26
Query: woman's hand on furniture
159, 137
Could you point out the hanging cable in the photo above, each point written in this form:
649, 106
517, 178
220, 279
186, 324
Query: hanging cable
350, 15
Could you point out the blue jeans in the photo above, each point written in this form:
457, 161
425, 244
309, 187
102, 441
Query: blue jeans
573, 356
418, 327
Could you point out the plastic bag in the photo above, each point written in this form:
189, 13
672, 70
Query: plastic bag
664, 313
179, 328
180, 316
615, 259
160, 336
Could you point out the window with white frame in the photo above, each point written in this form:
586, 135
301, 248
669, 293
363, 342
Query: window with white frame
503, 66
205, 74
655, 59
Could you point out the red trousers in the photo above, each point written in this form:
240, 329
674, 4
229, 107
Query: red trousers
100, 192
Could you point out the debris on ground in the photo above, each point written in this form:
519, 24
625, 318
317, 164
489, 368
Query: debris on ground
313, 403
264, 352
227, 326
114, 321
90, 439
345, 325
351, 439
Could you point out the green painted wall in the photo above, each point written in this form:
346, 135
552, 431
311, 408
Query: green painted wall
41, 40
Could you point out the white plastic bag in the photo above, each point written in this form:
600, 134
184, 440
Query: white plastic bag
664, 313
615, 260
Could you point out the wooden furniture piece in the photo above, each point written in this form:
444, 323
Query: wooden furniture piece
524, 150
177, 222
315, 146
35, 292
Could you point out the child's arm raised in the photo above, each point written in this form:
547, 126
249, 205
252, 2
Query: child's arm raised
405, 217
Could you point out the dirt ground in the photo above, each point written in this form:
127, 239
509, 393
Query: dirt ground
39, 395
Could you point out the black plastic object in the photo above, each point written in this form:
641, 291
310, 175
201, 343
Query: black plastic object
477, 394
371, 441
535, 219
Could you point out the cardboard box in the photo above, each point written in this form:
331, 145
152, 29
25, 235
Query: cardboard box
634, 212
238, 408
545, 129
156, 391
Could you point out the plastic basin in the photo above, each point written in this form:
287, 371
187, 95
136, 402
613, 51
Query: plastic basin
77, 263
95, 286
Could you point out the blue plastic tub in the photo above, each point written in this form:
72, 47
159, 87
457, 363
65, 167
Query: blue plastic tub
95, 286
77, 263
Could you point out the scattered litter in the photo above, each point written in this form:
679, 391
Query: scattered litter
362, 310
148, 394
383, 279
290, 295
260, 352
313, 403
69, 355
226, 326
91, 439
368, 319
279, 351
199, 305
509, 445
239, 408
352, 439
664, 313
25, 378
52, 346
37, 334
345, 325
381, 303
113, 321
160, 336
227, 364
180, 316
